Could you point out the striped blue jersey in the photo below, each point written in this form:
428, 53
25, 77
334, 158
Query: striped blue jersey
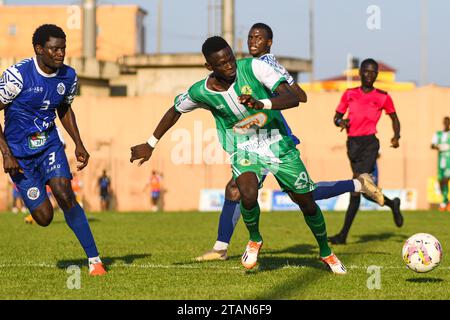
273, 62
31, 97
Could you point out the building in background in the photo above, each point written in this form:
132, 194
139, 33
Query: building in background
350, 79
120, 29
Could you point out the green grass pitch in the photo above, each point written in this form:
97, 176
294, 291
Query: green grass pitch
150, 256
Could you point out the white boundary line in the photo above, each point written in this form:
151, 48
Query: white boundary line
189, 266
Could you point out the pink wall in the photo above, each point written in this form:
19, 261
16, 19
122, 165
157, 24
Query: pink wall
109, 126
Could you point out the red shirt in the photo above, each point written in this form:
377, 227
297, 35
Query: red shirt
364, 110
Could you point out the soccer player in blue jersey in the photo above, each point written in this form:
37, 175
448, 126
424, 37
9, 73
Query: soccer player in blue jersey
259, 43
31, 93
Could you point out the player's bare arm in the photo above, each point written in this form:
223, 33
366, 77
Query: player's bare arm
67, 117
340, 122
299, 92
10, 164
396, 127
285, 99
144, 151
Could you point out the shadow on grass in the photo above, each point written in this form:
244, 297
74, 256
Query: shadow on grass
267, 262
128, 259
381, 237
90, 220
275, 263
425, 280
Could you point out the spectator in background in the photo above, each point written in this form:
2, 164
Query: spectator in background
441, 143
155, 190
77, 186
17, 203
104, 184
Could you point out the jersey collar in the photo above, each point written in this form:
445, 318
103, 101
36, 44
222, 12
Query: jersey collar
42, 73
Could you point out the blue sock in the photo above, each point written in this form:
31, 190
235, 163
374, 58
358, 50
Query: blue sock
228, 219
332, 189
77, 221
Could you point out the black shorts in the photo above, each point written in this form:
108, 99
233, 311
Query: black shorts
363, 152
104, 195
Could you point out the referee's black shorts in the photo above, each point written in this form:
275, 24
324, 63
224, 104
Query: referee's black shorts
363, 152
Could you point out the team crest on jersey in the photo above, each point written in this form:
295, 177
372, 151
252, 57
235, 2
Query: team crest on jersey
33, 193
246, 89
245, 162
61, 88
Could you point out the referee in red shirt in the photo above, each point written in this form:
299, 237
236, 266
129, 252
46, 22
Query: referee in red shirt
365, 105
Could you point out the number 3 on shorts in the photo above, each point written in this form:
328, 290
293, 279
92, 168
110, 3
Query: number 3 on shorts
51, 158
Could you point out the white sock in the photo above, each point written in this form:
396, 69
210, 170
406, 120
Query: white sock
358, 185
219, 245
94, 260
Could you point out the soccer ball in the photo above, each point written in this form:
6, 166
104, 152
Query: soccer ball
422, 252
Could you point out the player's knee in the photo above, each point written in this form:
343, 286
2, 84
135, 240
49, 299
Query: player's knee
232, 191
249, 198
66, 199
309, 208
43, 217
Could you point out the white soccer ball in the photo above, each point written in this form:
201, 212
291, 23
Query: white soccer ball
422, 252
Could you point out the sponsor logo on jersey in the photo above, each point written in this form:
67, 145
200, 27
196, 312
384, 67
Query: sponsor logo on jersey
61, 88
254, 122
33, 193
220, 106
37, 140
246, 89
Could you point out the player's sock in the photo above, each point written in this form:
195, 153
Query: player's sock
388, 202
94, 260
227, 221
317, 225
352, 209
444, 192
77, 221
330, 189
251, 219
220, 246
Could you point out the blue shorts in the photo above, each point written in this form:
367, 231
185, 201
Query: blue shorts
16, 194
39, 169
156, 194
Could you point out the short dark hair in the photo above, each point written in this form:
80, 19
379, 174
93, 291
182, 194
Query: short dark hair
369, 61
213, 45
264, 26
43, 33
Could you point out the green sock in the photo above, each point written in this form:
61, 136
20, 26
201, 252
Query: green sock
251, 220
317, 225
445, 193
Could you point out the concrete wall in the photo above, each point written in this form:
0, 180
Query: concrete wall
109, 126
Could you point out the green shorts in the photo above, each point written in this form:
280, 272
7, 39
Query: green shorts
291, 173
444, 166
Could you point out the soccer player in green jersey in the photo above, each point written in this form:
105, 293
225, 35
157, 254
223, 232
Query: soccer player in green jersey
441, 142
251, 130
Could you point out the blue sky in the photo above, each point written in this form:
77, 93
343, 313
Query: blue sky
340, 29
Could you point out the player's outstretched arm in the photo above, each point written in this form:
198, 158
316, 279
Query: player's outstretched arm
144, 151
67, 117
10, 164
285, 99
396, 127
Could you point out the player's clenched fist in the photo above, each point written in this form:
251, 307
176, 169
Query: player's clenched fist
248, 101
141, 151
